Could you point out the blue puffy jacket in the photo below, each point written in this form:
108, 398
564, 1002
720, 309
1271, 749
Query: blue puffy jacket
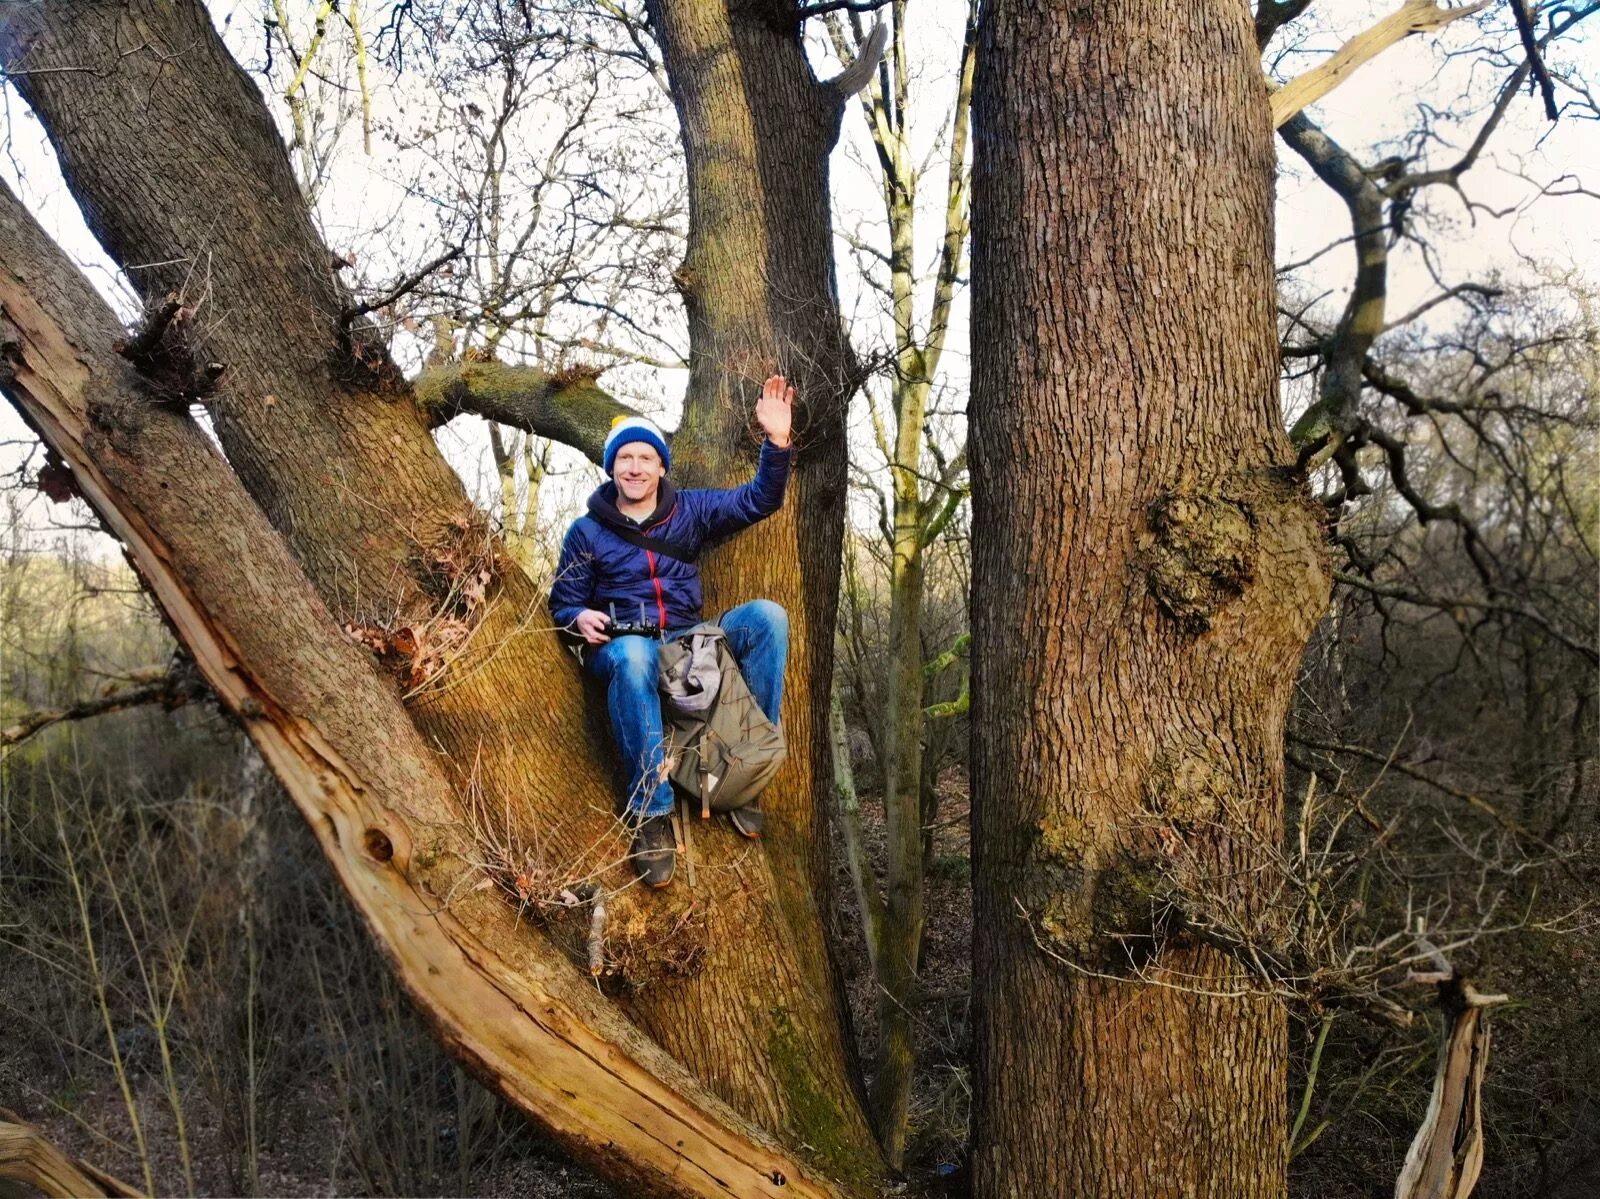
598, 568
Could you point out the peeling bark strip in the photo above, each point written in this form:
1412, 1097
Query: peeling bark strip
27, 1157
337, 452
518, 1012
1141, 595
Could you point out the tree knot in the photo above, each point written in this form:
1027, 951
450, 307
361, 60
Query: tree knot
1201, 555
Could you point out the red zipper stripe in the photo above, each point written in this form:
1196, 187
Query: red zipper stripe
661, 608
650, 557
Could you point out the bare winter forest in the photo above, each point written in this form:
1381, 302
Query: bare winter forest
1190, 560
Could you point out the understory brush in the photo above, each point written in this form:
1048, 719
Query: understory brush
191, 1003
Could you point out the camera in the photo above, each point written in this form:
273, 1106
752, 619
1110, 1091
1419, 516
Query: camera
626, 626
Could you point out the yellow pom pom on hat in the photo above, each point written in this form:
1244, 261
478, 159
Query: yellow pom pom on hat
627, 429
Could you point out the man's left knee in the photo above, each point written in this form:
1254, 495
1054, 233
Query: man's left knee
772, 616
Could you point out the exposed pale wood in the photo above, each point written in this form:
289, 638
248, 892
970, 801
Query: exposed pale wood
26, 1156
1446, 1156
1414, 16
530, 1024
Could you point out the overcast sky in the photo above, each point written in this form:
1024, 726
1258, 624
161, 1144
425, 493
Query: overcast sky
1376, 105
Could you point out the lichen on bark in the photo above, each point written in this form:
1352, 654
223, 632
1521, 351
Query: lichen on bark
1187, 786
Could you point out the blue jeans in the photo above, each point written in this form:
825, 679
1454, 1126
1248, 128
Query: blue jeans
758, 636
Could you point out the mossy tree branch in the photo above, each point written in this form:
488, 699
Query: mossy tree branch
566, 406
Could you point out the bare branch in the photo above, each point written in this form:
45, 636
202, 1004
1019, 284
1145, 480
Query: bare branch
1273, 15
1471, 798
1451, 175
1535, 60
1460, 289
407, 285
170, 689
1454, 604
856, 6
1414, 16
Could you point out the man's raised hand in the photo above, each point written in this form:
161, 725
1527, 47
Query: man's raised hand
775, 410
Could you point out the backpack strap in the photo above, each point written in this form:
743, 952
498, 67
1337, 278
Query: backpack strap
656, 545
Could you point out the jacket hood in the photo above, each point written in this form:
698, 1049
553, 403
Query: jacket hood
603, 506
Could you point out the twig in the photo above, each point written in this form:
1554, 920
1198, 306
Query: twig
350, 315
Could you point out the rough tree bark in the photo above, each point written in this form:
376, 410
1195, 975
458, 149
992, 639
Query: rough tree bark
1146, 580
169, 149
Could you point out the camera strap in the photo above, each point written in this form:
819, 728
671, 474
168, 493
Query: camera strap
654, 545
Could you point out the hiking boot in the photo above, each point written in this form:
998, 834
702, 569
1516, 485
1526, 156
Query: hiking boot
655, 850
748, 821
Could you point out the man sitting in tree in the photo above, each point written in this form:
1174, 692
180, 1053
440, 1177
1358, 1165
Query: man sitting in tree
605, 573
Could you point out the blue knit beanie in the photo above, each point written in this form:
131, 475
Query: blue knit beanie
626, 429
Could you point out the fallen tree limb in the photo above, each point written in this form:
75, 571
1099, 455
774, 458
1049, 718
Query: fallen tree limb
26, 1156
516, 1011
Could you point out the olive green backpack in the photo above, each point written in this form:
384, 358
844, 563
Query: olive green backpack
726, 753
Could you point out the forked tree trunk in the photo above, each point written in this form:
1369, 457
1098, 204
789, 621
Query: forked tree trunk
1144, 582
758, 285
167, 146
511, 1005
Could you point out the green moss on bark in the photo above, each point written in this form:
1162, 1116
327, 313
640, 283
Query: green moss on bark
817, 1125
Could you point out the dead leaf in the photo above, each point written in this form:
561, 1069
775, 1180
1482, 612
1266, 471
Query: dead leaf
56, 482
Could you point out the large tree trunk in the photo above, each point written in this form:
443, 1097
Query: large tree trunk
1145, 581
182, 168
509, 1004
758, 285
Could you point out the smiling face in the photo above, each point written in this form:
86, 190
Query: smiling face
638, 472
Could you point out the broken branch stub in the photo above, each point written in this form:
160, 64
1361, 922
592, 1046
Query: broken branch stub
1446, 1156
